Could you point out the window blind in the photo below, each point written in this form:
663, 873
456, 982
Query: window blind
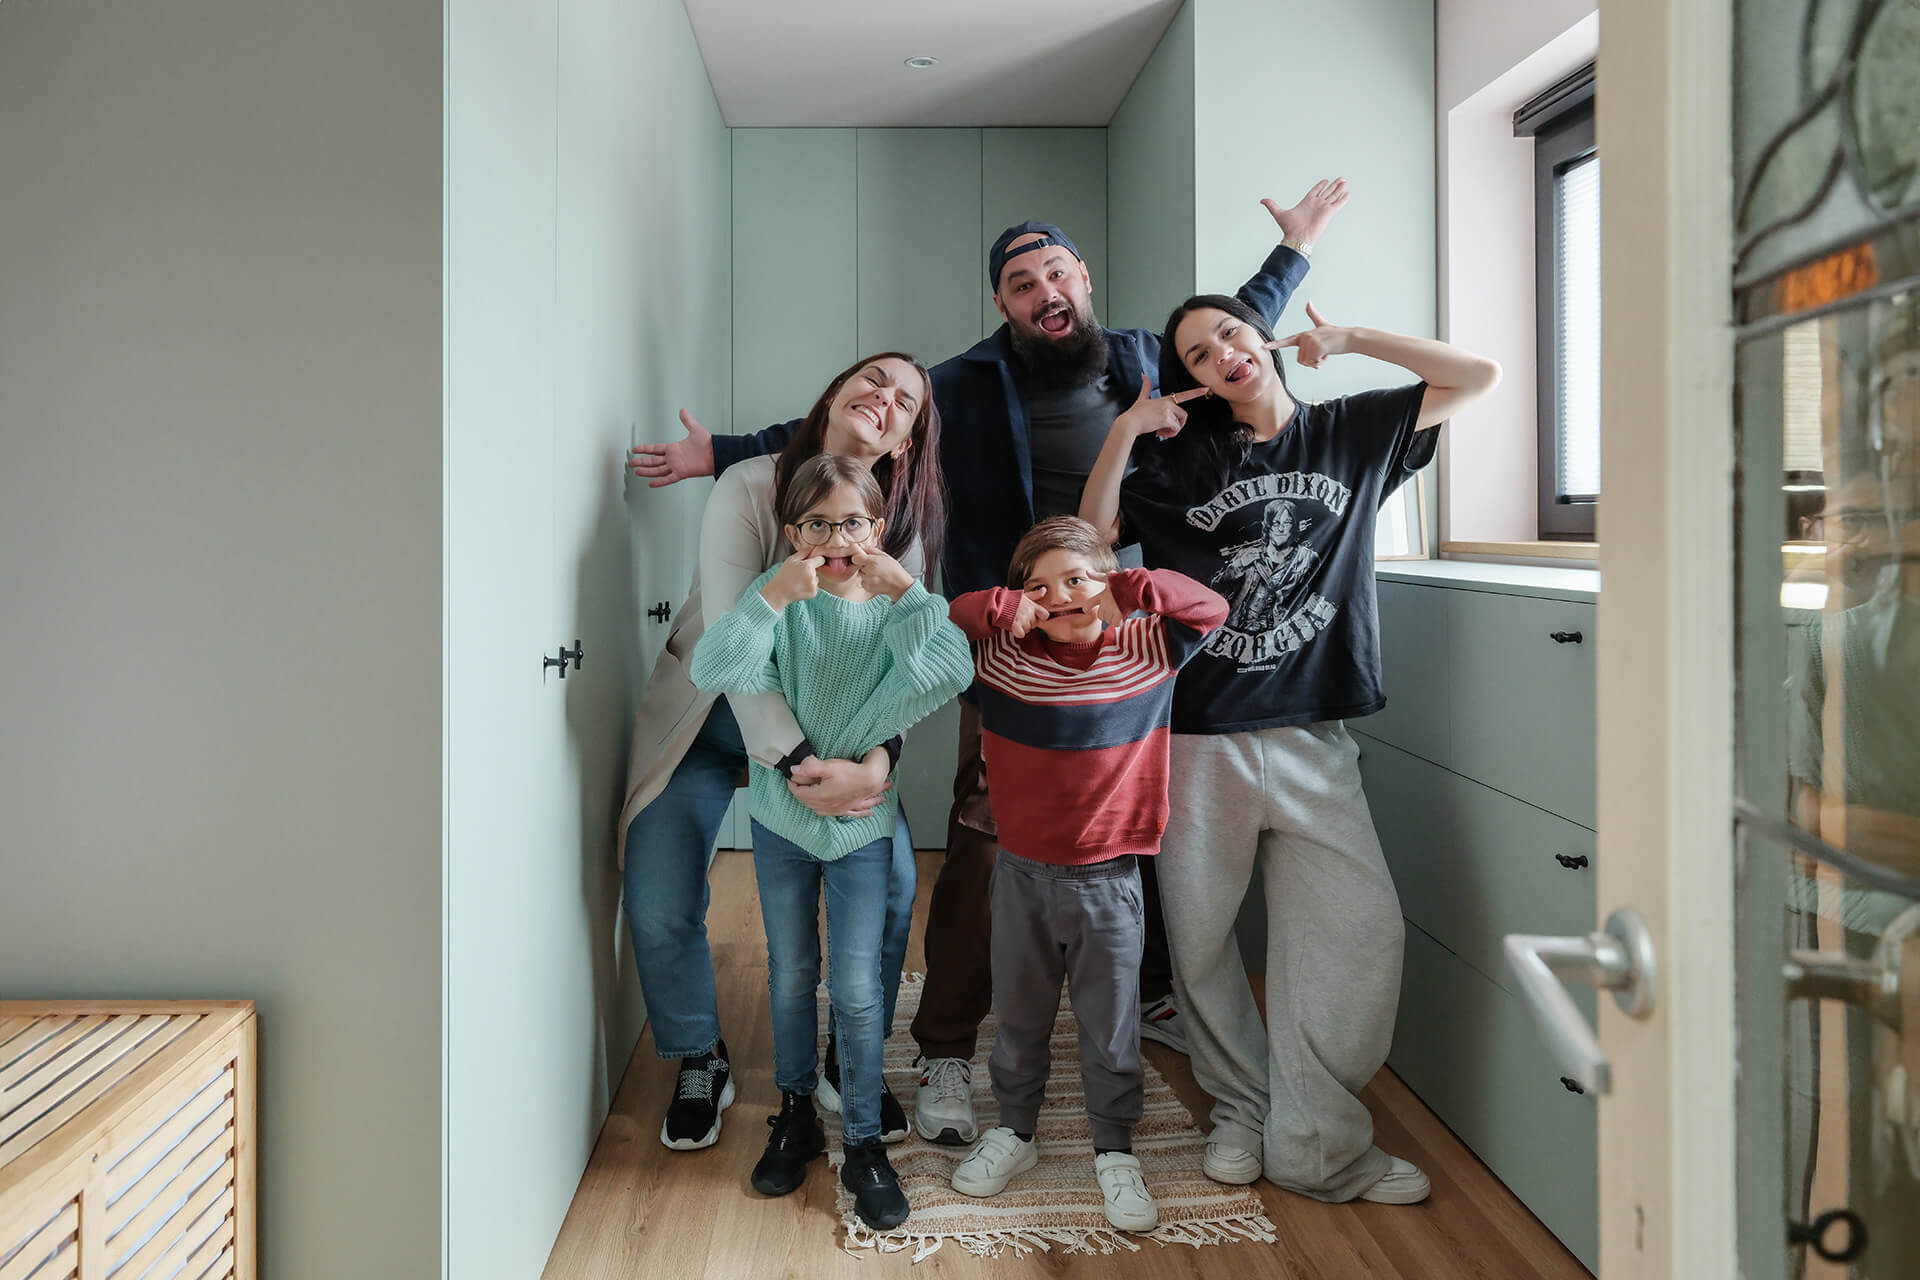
1577, 254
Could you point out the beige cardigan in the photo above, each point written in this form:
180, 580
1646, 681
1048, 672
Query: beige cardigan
740, 539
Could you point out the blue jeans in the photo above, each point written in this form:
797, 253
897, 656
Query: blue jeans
856, 889
669, 853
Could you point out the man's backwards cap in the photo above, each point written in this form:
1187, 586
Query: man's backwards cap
1049, 235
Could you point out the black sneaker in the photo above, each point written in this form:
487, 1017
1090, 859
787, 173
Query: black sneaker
796, 1138
893, 1117
877, 1196
703, 1090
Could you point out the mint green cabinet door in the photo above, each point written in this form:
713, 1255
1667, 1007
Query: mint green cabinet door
795, 298
1522, 702
919, 227
1472, 865
1048, 175
1413, 667
1467, 1048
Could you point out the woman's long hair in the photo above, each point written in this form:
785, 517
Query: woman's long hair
916, 490
1197, 462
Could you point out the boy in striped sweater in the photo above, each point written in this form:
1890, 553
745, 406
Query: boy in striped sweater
1075, 696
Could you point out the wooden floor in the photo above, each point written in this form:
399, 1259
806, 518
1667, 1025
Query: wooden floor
645, 1211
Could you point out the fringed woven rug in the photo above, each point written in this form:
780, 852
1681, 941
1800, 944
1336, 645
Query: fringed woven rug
1057, 1202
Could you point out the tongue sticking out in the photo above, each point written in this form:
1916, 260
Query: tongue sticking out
839, 565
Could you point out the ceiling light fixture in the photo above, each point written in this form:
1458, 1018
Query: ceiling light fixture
921, 62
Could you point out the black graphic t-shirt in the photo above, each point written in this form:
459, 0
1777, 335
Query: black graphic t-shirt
1288, 540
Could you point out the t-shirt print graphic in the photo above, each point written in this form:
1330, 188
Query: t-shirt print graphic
1265, 576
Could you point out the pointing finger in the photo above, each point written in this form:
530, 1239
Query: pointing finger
1278, 344
1192, 393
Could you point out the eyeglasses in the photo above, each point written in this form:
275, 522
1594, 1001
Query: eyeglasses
817, 533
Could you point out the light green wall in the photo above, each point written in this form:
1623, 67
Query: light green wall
1044, 175
849, 241
220, 515
1294, 92
1150, 174
589, 269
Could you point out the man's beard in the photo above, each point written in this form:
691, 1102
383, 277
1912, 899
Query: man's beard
1071, 361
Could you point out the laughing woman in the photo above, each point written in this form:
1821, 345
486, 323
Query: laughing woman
689, 746
1272, 502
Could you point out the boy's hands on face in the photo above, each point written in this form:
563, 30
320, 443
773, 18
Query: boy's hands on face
880, 573
1105, 607
798, 579
1030, 615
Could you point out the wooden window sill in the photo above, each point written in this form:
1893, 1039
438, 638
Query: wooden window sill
1538, 549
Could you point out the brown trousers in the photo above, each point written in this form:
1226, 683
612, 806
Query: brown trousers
959, 988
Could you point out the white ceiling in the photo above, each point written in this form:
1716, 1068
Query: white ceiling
1002, 62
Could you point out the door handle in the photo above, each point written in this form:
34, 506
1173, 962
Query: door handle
1619, 959
1834, 975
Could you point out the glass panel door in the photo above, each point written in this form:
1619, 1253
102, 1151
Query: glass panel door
1827, 423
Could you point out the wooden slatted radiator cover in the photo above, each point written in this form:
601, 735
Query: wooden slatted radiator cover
127, 1140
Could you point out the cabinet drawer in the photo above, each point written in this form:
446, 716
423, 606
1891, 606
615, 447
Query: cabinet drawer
1473, 865
1466, 1047
1413, 669
1522, 705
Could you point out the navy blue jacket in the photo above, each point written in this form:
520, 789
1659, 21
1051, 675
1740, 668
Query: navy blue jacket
984, 442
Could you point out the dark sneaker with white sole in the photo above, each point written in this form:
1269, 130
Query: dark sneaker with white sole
877, 1196
796, 1138
702, 1091
893, 1118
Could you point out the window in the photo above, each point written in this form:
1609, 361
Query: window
1566, 185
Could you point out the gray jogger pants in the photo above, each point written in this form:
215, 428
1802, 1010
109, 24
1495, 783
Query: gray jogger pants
1290, 799
1085, 924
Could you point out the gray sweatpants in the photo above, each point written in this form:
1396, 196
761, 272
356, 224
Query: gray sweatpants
1085, 924
1291, 800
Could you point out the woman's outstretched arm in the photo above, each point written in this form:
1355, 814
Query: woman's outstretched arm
1455, 377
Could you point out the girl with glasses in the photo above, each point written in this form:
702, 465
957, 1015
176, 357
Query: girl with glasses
860, 651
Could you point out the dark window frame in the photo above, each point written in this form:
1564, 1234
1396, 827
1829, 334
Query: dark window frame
1561, 123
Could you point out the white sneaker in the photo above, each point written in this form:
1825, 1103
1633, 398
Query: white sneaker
1161, 1020
1230, 1164
992, 1164
1402, 1184
1129, 1205
943, 1104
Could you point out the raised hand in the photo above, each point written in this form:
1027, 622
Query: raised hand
880, 573
1030, 615
663, 464
1311, 347
798, 579
1305, 221
1162, 415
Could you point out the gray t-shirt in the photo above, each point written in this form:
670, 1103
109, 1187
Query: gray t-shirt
1068, 426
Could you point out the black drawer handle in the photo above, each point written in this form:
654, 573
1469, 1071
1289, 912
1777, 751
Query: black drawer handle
1815, 1235
1571, 861
1565, 637
1573, 1086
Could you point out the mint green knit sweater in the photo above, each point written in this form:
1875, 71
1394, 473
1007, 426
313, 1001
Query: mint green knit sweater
855, 674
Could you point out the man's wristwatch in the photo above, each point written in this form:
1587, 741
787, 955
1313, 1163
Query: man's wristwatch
1300, 247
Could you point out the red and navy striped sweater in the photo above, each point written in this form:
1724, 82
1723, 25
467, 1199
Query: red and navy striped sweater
1075, 736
